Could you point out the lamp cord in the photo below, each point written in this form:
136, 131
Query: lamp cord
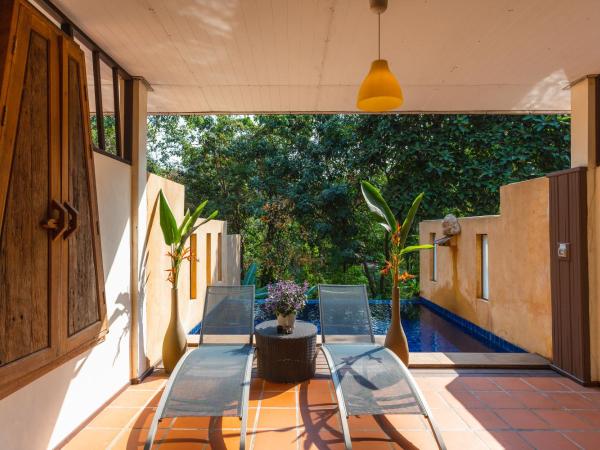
378, 36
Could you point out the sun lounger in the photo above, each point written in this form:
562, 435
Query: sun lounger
369, 379
214, 379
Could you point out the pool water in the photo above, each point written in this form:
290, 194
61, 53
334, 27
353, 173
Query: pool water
426, 330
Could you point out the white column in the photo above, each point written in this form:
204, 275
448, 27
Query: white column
139, 216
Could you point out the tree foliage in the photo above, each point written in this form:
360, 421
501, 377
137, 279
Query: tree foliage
290, 184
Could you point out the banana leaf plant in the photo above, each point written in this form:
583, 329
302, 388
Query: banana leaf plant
250, 277
176, 236
398, 232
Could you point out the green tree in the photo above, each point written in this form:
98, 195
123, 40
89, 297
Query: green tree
289, 184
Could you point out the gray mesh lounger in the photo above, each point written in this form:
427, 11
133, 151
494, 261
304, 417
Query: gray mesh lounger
214, 379
369, 379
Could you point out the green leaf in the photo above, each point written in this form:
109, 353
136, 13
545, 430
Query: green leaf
311, 290
167, 221
378, 205
415, 248
214, 214
378, 219
183, 239
410, 217
262, 290
261, 293
192, 220
250, 277
184, 222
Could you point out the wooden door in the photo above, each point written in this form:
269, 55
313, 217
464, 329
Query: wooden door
32, 219
569, 273
84, 308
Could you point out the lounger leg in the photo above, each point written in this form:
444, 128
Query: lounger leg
163, 401
340, 398
414, 387
245, 397
346, 430
436, 432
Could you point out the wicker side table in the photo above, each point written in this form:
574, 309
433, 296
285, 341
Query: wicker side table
286, 358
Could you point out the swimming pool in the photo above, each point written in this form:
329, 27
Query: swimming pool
428, 327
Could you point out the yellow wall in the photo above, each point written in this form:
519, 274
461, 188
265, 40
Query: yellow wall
519, 306
158, 289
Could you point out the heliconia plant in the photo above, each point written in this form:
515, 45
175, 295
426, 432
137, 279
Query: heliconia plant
176, 237
395, 339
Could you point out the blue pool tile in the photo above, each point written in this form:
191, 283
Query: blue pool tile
428, 327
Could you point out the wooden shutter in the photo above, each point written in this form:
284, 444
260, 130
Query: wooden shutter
85, 307
29, 182
52, 303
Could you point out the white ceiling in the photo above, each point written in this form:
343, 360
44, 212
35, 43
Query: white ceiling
242, 56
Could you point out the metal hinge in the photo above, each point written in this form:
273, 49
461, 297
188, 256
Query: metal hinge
3, 120
14, 46
98, 227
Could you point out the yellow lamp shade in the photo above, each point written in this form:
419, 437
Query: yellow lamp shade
379, 90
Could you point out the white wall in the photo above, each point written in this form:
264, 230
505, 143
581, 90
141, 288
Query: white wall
44, 412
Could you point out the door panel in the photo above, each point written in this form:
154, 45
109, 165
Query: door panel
28, 184
83, 293
569, 274
85, 296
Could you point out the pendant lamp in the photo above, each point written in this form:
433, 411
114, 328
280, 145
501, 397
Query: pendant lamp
379, 91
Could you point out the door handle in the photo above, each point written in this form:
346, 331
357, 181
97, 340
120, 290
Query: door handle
56, 226
73, 220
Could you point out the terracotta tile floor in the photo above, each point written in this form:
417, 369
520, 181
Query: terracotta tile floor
474, 409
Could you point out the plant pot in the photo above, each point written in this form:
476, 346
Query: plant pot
287, 321
395, 339
175, 341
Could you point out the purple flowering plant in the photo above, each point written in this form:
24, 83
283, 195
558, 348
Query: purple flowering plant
286, 297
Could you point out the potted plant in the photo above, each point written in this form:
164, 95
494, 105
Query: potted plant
285, 300
176, 237
395, 338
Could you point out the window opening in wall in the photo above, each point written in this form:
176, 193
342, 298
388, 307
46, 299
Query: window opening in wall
220, 257
483, 263
208, 260
108, 110
433, 268
193, 266
109, 106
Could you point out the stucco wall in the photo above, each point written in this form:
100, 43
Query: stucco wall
158, 289
229, 270
44, 412
233, 244
519, 306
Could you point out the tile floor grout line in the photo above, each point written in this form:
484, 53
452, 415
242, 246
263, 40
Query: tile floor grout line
588, 408
256, 417
298, 416
132, 420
